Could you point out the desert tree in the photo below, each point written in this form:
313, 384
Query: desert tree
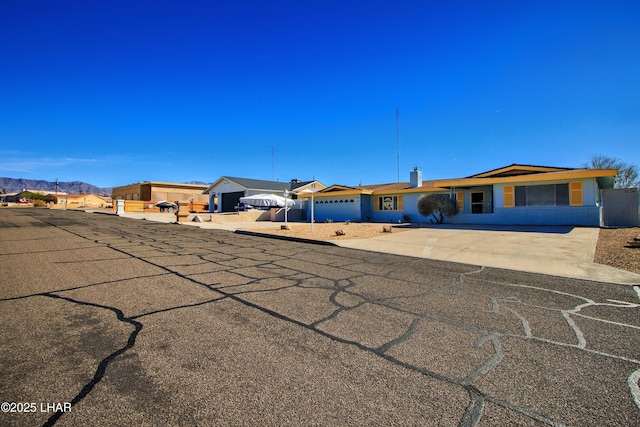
439, 206
628, 176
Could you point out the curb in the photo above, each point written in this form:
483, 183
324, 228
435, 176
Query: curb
291, 239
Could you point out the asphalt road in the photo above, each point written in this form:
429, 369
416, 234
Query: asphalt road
113, 321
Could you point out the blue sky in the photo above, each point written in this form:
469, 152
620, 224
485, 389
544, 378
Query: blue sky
114, 92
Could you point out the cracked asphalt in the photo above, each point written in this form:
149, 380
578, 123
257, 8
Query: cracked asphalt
150, 324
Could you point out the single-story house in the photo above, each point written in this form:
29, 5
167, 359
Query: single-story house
28, 195
13, 197
79, 201
151, 191
511, 195
228, 190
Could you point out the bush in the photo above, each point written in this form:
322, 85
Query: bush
439, 206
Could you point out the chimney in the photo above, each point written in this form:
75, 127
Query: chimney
415, 178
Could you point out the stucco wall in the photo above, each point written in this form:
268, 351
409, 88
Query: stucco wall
496, 213
586, 215
578, 215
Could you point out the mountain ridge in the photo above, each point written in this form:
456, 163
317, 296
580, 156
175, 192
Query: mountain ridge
13, 185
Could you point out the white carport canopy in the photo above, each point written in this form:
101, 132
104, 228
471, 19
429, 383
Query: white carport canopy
267, 200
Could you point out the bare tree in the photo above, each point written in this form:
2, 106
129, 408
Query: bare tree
439, 206
628, 176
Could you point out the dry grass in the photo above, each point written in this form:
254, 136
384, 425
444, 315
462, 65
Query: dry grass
613, 249
327, 231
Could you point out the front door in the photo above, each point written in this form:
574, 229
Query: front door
477, 202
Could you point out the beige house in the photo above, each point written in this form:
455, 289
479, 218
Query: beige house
80, 201
157, 191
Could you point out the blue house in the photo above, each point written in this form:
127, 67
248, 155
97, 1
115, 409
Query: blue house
511, 195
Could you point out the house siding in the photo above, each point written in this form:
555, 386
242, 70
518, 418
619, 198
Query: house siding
582, 208
586, 215
582, 216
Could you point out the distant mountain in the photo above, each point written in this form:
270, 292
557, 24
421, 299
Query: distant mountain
12, 185
196, 183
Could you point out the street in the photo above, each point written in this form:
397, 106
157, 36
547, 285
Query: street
115, 321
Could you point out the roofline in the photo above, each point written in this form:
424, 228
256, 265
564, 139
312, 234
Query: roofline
283, 183
169, 184
355, 192
535, 168
411, 190
569, 174
446, 184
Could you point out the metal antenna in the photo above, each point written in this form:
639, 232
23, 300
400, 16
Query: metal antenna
397, 145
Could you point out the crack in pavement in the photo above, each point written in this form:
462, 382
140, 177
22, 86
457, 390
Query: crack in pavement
102, 366
349, 290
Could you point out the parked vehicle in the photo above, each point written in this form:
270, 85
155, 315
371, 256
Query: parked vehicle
168, 206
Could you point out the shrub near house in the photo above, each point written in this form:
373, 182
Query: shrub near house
439, 206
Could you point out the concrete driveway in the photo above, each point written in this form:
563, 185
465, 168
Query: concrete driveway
555, 250
558, 251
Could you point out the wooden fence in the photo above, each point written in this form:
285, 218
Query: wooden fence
149, 207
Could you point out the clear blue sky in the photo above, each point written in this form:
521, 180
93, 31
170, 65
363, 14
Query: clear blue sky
114, 92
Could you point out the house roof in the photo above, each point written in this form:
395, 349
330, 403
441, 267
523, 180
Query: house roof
512, 173
509, 175
163, 184
517, 169
173, 184
398, 186
259, 184
337, 190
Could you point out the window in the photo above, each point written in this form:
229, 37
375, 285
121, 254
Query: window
542, 195
388, 203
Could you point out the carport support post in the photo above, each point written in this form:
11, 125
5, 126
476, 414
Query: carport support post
313, 189
286, 199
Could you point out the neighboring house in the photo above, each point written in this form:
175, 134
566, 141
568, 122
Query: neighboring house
228, 190
512, 195
79, 201
150, 191
11, 197
27, 195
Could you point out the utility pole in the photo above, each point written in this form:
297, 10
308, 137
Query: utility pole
397, 145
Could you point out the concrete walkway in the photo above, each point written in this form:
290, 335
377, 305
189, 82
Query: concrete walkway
557, 251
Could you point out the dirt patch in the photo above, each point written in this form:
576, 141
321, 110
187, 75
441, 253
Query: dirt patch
613, 249
327, 231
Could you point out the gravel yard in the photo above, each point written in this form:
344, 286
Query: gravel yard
613, 249
327, 231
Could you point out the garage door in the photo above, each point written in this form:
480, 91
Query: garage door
231, 200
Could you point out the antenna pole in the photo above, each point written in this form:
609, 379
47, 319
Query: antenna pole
397, 145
